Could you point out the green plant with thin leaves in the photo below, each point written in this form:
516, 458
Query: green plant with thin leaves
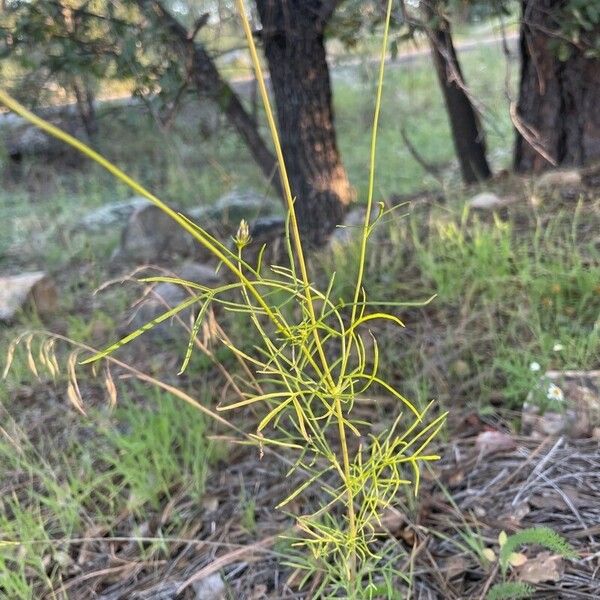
510, 590
306, 370
539, 536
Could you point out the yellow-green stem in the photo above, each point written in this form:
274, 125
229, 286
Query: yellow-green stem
349, 492
304, 272
371, 188
286, 186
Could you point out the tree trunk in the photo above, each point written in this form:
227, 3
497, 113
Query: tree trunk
557, 112
467, 133
85, 100
204, 73
293, 40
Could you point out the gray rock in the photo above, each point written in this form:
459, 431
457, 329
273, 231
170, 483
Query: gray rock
111, 214
36, 288
267, 228
23, 139
150, 234
163, 296
559, 179
234, 206
30, 141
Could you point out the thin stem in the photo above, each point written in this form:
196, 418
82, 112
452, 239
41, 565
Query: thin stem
349, 493
373, 153
297, 240
285, 182
305, 279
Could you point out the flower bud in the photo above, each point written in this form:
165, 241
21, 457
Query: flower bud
242, 237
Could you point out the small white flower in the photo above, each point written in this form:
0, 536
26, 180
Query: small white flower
555, 393
558, 348
535, 367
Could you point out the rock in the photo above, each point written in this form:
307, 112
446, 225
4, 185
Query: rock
23, 139
16, 291
552, 179
491, 201
267, 228
209, 588
234, 206
30, 141
486, 201
151, 234
492, 441
578, 392
111, 214
163, 296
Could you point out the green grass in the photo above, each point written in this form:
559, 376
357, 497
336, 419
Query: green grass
160, 449
513, 296
55, 488
510, 291
412, 101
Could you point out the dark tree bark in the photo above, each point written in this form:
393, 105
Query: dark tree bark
558, 113
293, 39
85, 99
205, 75
467, 132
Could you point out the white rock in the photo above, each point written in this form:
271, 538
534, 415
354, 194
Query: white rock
486, 201
18, 290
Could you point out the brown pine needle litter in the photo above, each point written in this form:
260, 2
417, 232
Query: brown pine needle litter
553, 482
